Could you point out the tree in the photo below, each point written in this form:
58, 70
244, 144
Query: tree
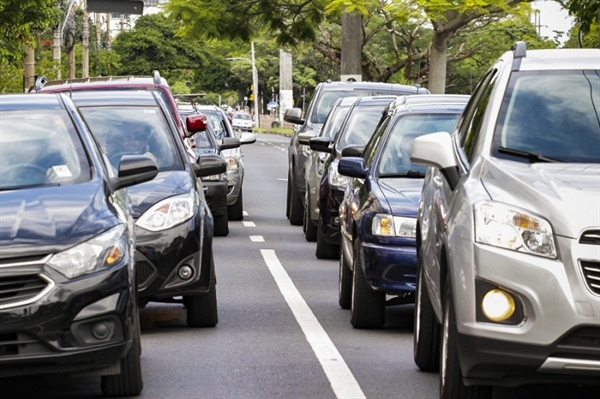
585, 12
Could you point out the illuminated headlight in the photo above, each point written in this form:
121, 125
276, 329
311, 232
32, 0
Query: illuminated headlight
335, 179
498, 305
169, 212
394, 226
510, 228
232, 163
100, 253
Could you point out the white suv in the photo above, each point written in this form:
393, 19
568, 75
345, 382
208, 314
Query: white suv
508, 284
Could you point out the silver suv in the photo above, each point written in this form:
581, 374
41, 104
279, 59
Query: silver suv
508, 232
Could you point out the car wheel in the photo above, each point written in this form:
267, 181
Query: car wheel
236, 211
221, 225
324, 249
202, 309
310, 230
296, 206
451, 379
367, 305
426, 336
129, 382
288, 195
345, 283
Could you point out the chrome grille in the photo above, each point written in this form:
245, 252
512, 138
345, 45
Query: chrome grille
591, 273
22, 281
590, 237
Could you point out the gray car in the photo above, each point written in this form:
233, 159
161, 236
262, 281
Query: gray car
508, 232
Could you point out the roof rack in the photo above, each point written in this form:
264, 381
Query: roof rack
519, 52
43, 81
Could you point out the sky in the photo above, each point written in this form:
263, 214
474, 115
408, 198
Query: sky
552, 17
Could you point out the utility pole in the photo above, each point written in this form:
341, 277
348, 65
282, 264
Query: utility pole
85, 62
72, 65
255, 89
351, 68
286, 92
28, 68
56, 51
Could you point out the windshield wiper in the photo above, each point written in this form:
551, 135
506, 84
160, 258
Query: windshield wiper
413, 174
533, 157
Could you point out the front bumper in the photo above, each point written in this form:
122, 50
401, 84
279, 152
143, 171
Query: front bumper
234, 185
160, 255
54, 334
558, 337
390, 268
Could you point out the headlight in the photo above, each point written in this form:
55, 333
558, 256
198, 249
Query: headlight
510, 228
394, 226
169, 212
232, 163
99, 253
335, 179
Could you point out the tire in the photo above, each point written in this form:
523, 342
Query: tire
451, 379
426, 335
288, 195
130, 381
296, 210
310, 230
325, 250
221, 226
236, 211
202, 309
345, 283
367, 306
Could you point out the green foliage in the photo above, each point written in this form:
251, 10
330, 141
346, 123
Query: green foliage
585, 12
579, 39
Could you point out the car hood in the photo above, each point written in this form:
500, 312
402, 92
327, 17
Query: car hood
46, 220
164, 185
568, 195
402, 195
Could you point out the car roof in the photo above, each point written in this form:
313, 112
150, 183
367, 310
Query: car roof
370, 86
373, 101
106, 82
431, 99
114, 97
556, 59
25, 102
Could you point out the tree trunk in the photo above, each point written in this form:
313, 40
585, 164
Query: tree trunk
437, 61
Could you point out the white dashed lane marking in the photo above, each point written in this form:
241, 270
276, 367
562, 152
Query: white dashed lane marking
257, 239
249, 224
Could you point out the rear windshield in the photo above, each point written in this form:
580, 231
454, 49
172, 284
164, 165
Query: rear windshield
133, 131
553, 114
40, 148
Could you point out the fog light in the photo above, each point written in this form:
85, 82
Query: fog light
498, 305
185, 272
101, 331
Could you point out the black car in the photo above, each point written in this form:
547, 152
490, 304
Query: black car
174, 226
67, 279
323, 98
356, 130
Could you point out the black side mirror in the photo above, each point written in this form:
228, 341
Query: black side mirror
134, 169
229, 142
321, 144
210, 164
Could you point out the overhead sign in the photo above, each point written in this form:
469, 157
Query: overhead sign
118, 6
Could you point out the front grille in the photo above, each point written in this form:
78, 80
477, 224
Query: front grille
14, 344
582, 338
19, 289
591, 273
144, 274
590, 237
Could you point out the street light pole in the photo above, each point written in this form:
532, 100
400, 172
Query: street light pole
254, 83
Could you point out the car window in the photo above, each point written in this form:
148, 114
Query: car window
217, 121
41, 148
395, 155
371, 148
133, 131
334, 121
359, 126
246, 117
555, 114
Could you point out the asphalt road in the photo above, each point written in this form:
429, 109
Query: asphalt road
281, 333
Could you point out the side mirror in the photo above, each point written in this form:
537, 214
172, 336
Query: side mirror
293, 115
210, 164
229, 142
247, 138
195, 124
321, 144
134, 169
353, 151
304, 138
437, 150
353, 167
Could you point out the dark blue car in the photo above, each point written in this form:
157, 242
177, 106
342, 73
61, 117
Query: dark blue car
378, 213
67, 239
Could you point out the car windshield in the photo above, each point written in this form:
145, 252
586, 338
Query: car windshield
359, 126
551, 115
133, 131
395, 152
40, 148
333, 124
246, 117
217, 121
